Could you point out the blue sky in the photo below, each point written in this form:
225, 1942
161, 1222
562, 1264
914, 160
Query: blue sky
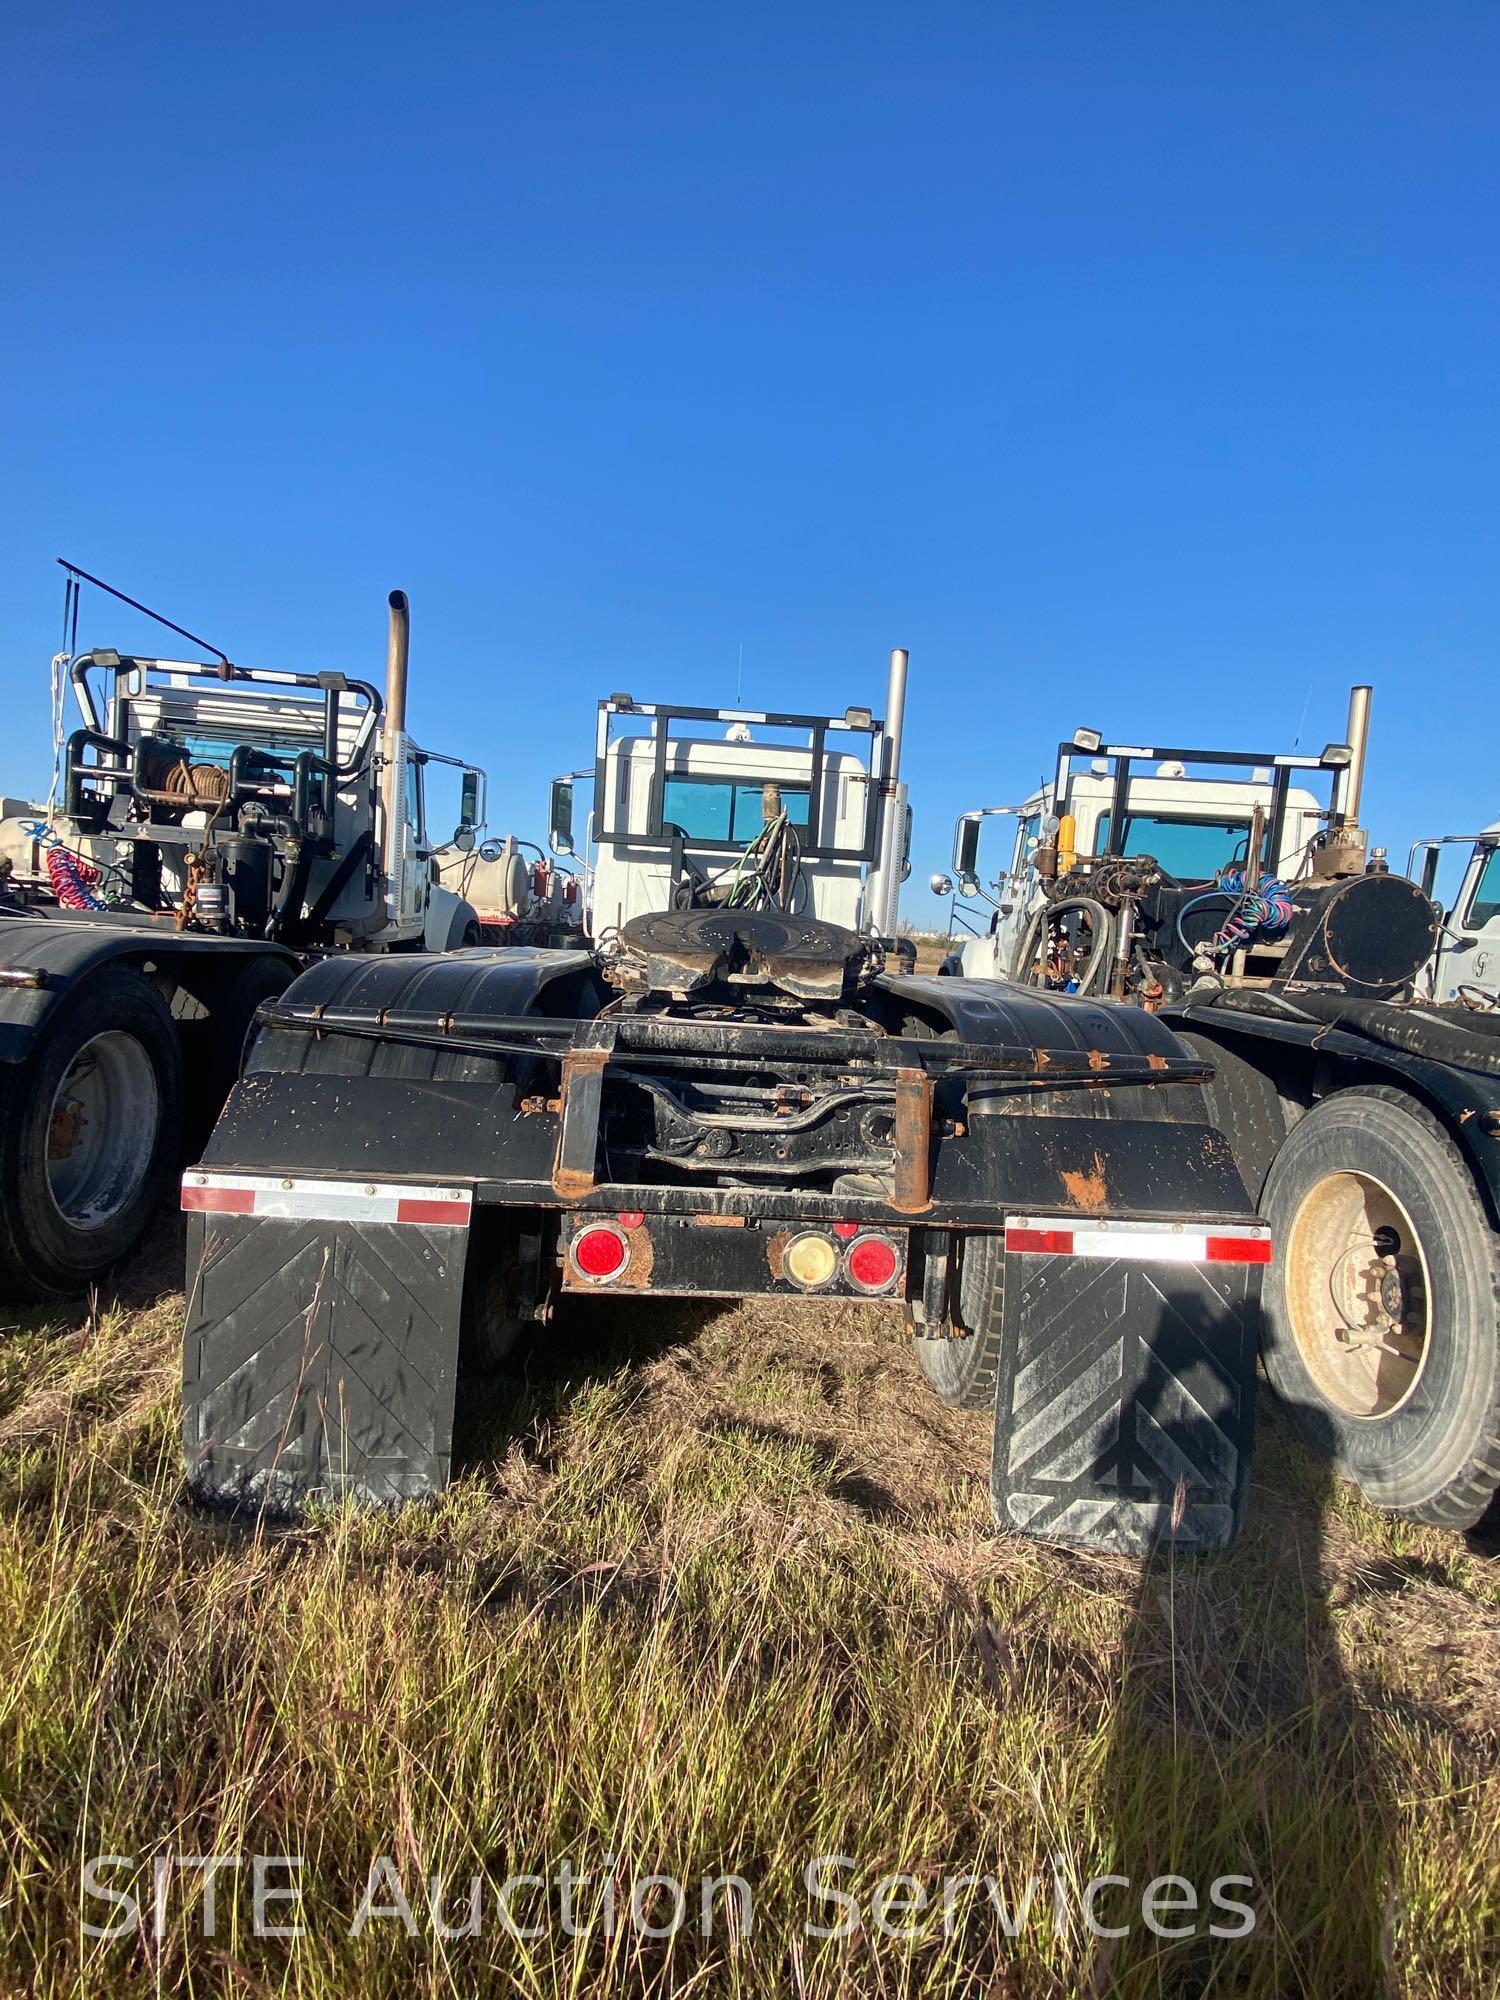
1132, 364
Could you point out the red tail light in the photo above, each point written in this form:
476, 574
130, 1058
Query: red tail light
599, 1252
872, 1263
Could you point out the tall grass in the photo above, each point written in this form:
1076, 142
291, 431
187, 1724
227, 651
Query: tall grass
716, 1594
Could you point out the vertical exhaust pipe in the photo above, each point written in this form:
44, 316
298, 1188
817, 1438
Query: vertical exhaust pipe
1352, 789
393, 780
885, 880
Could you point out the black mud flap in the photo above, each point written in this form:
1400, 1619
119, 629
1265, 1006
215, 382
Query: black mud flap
1124, 1415
320, 1359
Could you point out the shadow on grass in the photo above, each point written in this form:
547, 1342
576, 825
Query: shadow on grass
1241, 1765
527, 1392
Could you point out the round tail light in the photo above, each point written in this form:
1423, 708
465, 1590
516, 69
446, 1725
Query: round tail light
872, 1263
810, 1261
599, 1252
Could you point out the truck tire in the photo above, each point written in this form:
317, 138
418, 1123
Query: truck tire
1382, 1308
91, 1137
962, 1364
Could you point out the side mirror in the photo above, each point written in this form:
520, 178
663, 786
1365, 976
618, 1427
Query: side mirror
1440, 913
468, 805
941, 885
968, 851
491, 851
463, 837
560, 818
967, 886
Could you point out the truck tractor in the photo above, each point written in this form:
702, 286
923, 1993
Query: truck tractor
219, 826
737, 1089
1363, 1113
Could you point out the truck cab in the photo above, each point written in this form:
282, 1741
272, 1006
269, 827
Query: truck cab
1466, 964
695, 807
1183, 811
286, 806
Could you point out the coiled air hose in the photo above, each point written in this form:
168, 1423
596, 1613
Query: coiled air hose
1266, 909
76, 881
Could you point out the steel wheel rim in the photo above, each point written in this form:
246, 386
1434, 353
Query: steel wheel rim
101, 1131
1358, 1295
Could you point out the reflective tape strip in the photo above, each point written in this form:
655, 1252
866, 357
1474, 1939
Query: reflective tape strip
326, 1201
1141, 1242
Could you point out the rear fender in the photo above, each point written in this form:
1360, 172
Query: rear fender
1126, 1131
47, 956
415, 1109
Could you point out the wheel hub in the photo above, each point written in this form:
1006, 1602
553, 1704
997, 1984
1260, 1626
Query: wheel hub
1357, 1294
101, 1132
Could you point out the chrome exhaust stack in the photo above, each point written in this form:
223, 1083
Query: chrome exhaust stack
393, 744
884, 887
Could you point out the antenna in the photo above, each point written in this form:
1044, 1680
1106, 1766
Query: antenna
75, 573
1296, 740
739, 676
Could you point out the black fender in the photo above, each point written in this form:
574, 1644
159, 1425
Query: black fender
1126, 1129
357, 1103
43, 957
1467, 1101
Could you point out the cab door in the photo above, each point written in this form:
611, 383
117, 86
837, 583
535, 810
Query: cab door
1469, 951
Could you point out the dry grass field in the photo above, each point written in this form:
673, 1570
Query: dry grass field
716, 1593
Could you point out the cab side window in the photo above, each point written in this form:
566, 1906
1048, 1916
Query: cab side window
1484, 904
1027, 832
414, 819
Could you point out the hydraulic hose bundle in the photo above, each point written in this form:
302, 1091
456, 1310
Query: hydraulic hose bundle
768, 874
1094, 975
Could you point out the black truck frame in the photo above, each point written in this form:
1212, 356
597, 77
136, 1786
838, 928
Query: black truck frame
423, 1156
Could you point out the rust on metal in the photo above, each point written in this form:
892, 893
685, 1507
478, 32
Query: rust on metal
636, 1275
579, 1066
1088, 1190
706, 1221
911, 1150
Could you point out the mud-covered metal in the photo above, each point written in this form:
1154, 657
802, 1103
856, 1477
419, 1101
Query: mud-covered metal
710, 1134
682, 951
473, 1067
55, 952
1344, 1042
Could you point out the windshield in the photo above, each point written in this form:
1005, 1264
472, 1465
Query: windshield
1192, 850
720, 809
